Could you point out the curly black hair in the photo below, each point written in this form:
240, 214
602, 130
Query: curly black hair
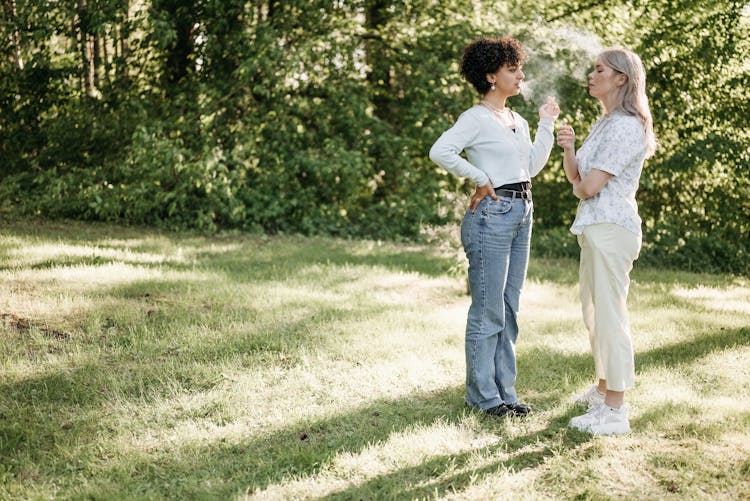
487, 55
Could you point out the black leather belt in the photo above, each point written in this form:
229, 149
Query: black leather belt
525, 194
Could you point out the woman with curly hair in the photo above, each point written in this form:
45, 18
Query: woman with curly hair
605, 173
496, 230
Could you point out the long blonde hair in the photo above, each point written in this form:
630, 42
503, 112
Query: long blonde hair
632, 98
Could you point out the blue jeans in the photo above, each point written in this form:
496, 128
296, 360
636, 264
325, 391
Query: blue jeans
496, 240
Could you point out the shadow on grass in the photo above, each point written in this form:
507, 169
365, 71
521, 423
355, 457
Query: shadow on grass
418, 482
578, 368
287, 256
64, 405
69, 401
244, 258
698, 346
249, 258
221, 470
683, 419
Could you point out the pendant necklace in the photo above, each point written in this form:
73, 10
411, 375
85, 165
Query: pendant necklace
500, 113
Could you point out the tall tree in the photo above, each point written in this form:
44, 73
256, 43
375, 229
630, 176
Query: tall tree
176, 22
377, 15
13, 34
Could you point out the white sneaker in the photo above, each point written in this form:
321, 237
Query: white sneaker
603, 420
590, 398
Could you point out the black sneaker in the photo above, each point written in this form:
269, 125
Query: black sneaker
518, 409
498, 411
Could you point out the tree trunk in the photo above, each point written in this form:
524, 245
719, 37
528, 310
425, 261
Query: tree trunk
96, 60
10, 13
379, 77
122, 34
107, 66
178, 64
86, 48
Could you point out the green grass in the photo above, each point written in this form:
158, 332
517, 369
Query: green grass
143, 365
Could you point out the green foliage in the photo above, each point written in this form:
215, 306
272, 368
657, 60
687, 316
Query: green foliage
177, 189
695, 192
316, 117
555, 242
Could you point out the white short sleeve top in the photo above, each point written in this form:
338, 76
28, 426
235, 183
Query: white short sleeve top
616, 144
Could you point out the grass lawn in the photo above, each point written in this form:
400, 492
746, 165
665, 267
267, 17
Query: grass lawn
142, 365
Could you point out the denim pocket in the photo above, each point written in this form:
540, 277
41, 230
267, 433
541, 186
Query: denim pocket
501, 206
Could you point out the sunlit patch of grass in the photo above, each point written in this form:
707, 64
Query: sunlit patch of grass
87, 277
406, 449
139, 364
36, 256
734, 298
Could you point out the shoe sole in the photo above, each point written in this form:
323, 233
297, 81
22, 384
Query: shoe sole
519, 414
484, 412
609, 429
579, 427
509, 414
602, 429
498, 416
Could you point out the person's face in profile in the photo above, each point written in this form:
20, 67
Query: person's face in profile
604, 80
508, 79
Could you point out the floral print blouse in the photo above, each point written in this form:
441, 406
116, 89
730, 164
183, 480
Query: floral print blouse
616, 144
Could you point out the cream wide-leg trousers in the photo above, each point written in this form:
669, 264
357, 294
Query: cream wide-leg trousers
607, 255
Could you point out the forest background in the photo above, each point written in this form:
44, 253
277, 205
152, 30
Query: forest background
316, 117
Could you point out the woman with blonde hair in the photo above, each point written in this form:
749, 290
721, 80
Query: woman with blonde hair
605, 173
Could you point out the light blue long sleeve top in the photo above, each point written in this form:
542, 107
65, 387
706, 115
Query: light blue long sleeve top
494, 152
